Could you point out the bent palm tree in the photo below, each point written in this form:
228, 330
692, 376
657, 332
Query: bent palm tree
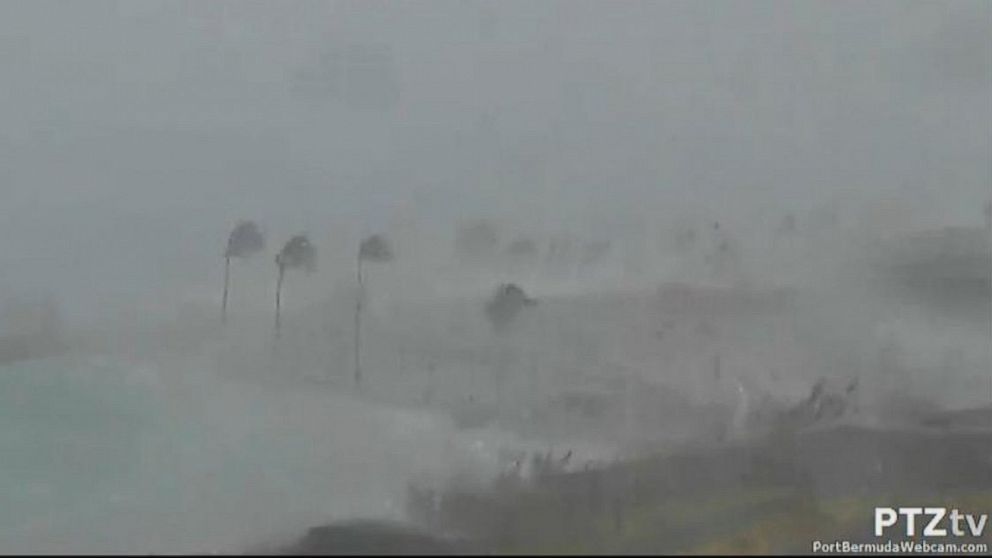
372, 249
298, 253
245, 241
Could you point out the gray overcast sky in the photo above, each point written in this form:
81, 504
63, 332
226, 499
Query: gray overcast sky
134, 133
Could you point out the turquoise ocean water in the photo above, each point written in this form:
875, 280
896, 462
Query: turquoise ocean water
98, 455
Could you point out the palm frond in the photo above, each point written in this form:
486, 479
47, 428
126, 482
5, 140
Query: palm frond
298, 253
375, 249
246, 240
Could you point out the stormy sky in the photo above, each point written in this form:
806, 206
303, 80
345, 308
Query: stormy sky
133, 134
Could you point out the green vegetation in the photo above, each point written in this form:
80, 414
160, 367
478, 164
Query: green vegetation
773, 497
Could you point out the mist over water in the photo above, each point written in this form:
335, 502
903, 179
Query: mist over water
713, 205
124, 457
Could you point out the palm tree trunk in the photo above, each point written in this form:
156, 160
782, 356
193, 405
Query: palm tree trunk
282, 271
227, 275
358, 325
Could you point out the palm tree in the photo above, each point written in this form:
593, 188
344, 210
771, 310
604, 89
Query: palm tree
245, 241
373, 249
298, 253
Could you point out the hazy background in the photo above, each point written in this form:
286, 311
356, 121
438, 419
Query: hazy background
135, 133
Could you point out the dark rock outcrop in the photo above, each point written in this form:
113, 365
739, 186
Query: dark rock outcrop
372, 537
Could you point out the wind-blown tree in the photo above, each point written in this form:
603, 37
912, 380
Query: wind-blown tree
476, 241
298, 253
245, 241
503, 307
522, 248
373, 249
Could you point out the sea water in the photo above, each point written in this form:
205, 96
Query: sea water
103, 455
